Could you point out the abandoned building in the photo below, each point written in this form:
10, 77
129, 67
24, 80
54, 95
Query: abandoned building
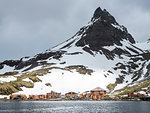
71, 95
18, 97
53, 95
98, 93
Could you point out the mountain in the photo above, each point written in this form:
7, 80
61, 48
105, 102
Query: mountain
102, 53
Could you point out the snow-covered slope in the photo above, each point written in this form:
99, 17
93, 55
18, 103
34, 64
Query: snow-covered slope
144, 45
101, 53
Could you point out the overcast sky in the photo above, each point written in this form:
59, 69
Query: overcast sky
28, 27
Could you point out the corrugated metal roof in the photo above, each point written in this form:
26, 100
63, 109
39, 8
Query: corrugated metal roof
98, 89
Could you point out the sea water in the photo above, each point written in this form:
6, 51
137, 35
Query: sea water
75, 107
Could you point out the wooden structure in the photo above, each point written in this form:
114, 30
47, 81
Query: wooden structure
30, 97
53, 95
12, 96
136, 95
24, 97
85, 95
34, 97
81, 96
42, 97
18, 97
70, 94
88, 95
98, 93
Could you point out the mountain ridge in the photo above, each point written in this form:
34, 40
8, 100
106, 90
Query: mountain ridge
101, 53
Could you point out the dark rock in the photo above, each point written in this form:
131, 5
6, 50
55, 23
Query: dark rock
75, 53
1, 66
119, 80
102, 33
104, 15
88, 50
43, 56
11, 63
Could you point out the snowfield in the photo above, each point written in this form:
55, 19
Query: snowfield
65, 81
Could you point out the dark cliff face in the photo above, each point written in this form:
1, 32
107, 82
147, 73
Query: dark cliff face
103, 33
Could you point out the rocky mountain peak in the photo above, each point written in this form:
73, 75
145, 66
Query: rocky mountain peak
104, 31
97, 13
103, 15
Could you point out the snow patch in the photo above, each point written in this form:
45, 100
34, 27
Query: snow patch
6, 69
118, 27
7, 79
27, 80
